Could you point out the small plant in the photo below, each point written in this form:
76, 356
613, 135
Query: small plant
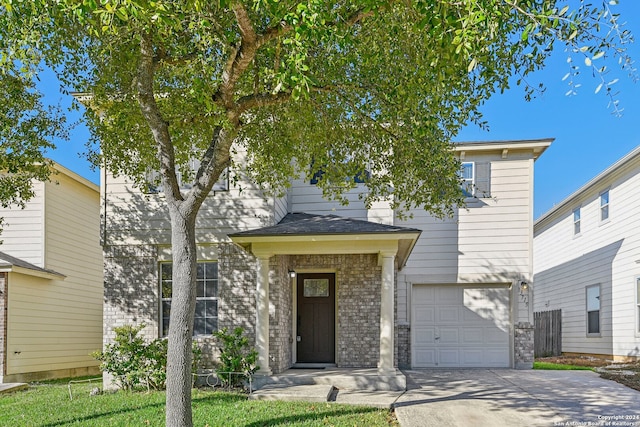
134, 363
235, 356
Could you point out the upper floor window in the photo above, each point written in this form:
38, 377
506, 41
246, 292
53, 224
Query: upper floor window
154, 180
604, 205
593, 310
467, 178
576, 221
206, 317
475, 179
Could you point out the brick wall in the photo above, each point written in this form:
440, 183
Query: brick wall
523, 343
358, 281
403, 346
280, 314
4, 297
131, 289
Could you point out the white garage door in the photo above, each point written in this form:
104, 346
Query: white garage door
460, 326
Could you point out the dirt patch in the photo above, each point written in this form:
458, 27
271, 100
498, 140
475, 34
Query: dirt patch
627, 374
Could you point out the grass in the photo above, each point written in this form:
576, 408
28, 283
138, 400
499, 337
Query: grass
48, 405
560, 367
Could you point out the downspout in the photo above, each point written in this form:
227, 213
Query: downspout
104, 204
4, 311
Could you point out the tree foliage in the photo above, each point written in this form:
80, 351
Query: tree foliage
347, 86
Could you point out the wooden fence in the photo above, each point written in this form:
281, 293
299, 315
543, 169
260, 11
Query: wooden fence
547, 336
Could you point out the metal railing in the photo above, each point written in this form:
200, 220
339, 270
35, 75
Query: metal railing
88, 380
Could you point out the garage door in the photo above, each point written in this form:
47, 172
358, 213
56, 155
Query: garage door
460, 326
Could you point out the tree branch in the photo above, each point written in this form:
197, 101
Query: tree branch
159, 127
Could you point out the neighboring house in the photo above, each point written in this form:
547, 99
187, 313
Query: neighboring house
315, 283
587, 263
51, 281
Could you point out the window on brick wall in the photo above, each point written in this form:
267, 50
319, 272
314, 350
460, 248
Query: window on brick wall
206, 317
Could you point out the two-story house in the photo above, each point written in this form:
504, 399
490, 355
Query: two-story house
51, 281
587, 263
318, 284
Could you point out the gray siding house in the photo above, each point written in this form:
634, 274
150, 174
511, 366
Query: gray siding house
315, 283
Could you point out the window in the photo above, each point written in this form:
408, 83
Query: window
604, 205
576, 221
467, 180
154, 180
593, 310
206, 317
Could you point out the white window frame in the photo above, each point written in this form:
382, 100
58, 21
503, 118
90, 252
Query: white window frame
599, 310
465, 181
199, 281
605, 207
577, 223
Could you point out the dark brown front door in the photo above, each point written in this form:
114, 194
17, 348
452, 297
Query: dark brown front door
316, 318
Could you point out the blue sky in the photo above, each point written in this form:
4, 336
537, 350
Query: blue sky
588, 137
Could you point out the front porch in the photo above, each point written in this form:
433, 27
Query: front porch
358, 261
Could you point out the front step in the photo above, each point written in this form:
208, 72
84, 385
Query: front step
306, 393
343, 379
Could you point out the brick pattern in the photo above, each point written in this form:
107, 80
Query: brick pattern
131, 289
523, 343
358, 281
4, 298
132, 296
403, 345
280, 314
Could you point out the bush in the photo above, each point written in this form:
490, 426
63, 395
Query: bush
135, 363
235, 356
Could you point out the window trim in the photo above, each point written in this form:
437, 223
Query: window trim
608, 205
161, 332
467, 194
577, 222
587, 311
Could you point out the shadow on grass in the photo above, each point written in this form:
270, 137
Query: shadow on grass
298, 418
95, 419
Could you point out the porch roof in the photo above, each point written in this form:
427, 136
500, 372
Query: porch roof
303, 233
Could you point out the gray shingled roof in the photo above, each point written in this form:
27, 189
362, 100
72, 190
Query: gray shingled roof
7, 260
308, 224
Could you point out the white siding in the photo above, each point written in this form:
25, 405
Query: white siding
306, 197
23, 232
487, 242
133, 217
605, 253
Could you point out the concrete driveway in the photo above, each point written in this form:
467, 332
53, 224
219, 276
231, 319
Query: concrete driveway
505, 397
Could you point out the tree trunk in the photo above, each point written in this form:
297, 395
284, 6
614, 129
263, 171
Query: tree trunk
183, 302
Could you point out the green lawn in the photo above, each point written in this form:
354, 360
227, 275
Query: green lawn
560, 367
49, 405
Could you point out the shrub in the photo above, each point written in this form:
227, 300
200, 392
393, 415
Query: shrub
135, 363
235, 356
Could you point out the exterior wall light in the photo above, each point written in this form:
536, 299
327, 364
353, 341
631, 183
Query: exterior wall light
292, 274
524, 288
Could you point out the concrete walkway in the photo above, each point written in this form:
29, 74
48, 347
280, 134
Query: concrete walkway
515, 398
9, 387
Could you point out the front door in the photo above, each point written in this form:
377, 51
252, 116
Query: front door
316, 318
